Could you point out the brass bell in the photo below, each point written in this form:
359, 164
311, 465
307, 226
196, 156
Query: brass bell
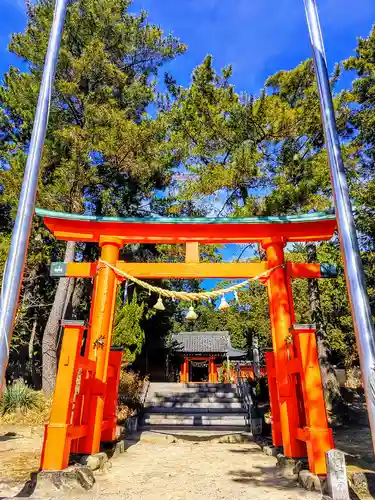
224, 306
191, 315
159, 305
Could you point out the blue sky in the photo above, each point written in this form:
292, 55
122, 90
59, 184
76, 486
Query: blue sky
257, 37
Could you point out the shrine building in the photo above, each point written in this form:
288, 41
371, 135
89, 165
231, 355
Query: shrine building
199, 356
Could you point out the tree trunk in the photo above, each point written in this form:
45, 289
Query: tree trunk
82, 288
50, 337
331, 385
244, 194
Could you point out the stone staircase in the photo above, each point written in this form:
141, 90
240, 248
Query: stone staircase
178, 407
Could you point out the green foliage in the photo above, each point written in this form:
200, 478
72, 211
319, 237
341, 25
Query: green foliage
287, 173
245, 319
130, 387
261, 155
19, 397
127, 331
363, 93
223, 377
259, 389
103, 153
101, 148
361, 98
216, 136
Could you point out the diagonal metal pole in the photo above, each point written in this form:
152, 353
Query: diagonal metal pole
360, 306
13, 273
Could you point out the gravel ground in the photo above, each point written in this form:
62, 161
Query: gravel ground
20, 449
187, 471
168, 471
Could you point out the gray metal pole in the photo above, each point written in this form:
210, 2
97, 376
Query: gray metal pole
361, 312
256, 360
228, 362
13, 272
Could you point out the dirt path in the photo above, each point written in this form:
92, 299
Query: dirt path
167, 471
187, 471
20, 449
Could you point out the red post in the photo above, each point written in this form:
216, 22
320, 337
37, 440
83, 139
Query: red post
57, 435
281, 325
277, 439
318, 436
110, 405
184, 373
210, 370
288, 282
214, 371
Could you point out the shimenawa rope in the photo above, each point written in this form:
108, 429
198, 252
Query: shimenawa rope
172, 294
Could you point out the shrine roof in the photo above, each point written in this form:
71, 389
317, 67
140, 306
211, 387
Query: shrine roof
76, 227
206, 343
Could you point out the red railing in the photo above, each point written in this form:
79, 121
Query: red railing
71, 422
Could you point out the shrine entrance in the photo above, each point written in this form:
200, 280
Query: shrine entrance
198, 370
84, 411
200, 355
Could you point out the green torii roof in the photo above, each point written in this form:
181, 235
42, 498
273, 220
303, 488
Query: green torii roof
175, 230
282, 219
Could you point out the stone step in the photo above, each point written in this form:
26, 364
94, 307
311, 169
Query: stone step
170, 407
173, 428
209, 385
192, 434
173, 388
221, 397
190, 391
186, 407
204, 419
204, 385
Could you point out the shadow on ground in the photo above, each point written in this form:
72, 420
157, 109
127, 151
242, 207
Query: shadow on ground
262, 476
252, 451
7, 438
27, 489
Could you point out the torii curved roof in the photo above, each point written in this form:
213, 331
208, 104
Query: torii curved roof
75, 227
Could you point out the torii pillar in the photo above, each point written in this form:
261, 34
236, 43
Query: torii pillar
99, 341
281, 324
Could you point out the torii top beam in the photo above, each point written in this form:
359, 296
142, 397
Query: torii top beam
74, 227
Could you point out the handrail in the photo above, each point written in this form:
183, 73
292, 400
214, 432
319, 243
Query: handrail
250, 405
143, 395
243, 391
131, 422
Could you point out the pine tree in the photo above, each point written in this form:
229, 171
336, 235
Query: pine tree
261, 156
216, 134
103, 153
361, 98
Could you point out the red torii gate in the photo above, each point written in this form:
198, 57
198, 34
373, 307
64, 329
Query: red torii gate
79, 422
